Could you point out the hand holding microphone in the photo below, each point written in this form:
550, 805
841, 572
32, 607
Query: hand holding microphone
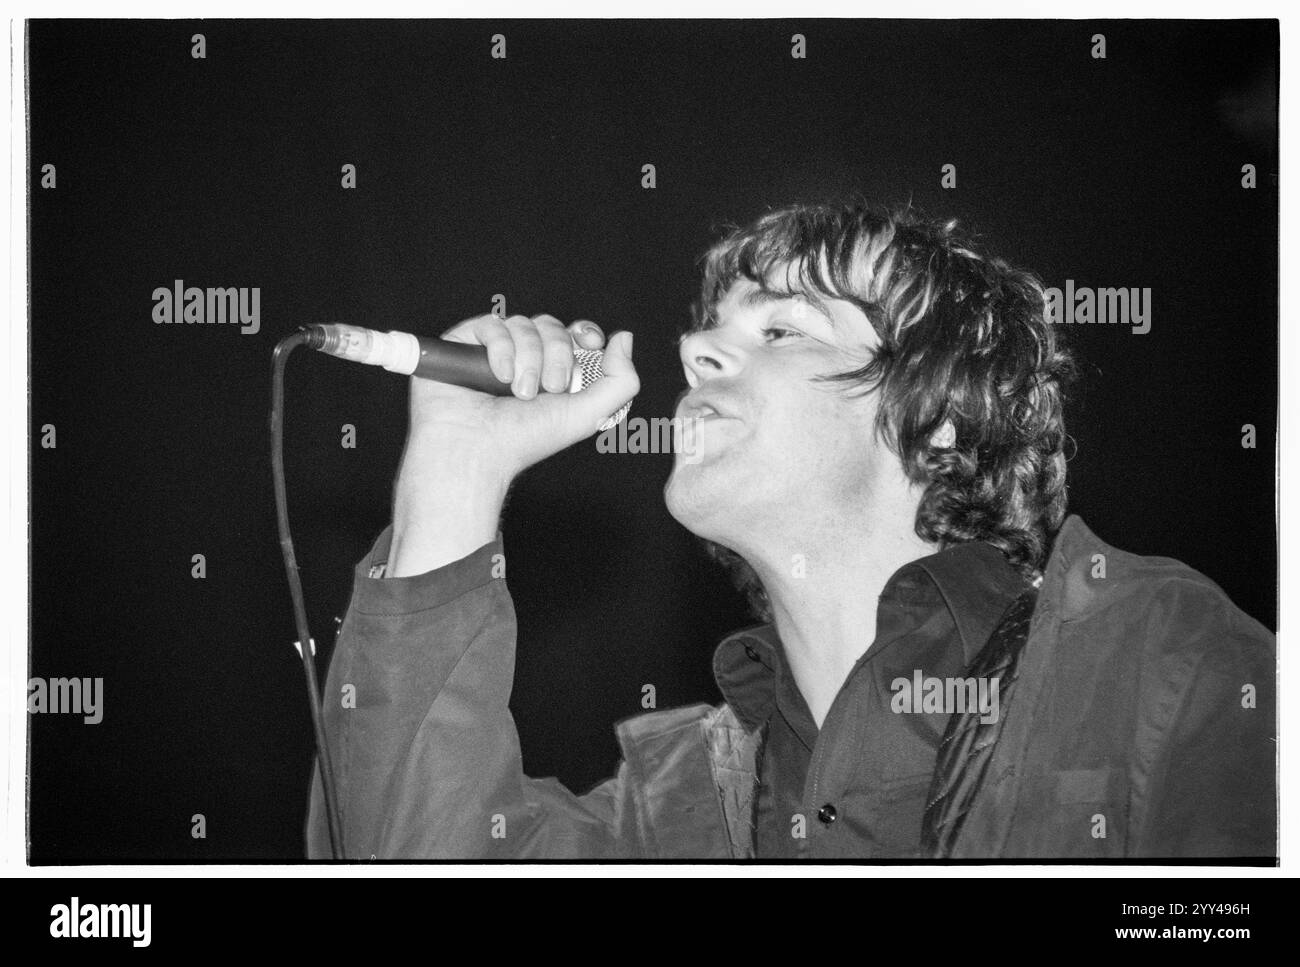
535, 359
516, 357
465, 445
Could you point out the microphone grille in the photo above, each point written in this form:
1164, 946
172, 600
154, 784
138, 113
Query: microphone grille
589, 370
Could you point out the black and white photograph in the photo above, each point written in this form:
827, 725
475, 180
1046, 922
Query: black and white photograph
717, 442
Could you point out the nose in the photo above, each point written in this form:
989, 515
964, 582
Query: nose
705, 355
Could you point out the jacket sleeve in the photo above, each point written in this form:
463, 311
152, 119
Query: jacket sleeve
1212, 790
424, 750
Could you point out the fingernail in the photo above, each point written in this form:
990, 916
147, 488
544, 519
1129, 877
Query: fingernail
528, 384
629, 345
554, 381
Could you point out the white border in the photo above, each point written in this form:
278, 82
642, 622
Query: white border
673, 9
14, 435
13, 669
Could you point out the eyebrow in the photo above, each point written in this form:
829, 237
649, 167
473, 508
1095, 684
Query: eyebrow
761, 297
758, 297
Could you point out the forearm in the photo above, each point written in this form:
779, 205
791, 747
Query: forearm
447, 500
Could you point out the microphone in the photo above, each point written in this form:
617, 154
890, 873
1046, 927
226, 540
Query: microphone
440, 360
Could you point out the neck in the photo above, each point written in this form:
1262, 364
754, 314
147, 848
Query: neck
824, 594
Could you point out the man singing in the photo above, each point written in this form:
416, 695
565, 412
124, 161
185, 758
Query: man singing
949, 666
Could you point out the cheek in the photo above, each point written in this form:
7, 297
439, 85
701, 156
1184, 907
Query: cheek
819, 421
808, 449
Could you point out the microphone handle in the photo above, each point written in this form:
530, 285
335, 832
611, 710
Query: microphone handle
461, 364
458, 363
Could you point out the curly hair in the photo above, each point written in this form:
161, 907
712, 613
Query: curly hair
964, 337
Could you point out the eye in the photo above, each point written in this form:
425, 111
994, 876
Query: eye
776, 333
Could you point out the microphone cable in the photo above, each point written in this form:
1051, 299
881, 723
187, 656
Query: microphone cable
279, 358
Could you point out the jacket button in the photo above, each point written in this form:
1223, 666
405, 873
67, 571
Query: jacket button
827, 814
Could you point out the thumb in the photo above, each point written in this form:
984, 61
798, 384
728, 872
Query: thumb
605, 397
618, 356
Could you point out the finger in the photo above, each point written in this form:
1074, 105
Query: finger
557, 354
528, 356
491, 333
587, 334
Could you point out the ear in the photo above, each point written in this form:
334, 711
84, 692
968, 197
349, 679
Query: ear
944, 437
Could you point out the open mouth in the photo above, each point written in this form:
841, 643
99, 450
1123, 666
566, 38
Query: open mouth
700, 410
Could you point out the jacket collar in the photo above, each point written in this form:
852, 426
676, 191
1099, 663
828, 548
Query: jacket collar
976, 583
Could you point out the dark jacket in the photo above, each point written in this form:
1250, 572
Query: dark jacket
1142, 725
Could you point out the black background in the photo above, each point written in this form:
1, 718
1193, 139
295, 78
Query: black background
523, 177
